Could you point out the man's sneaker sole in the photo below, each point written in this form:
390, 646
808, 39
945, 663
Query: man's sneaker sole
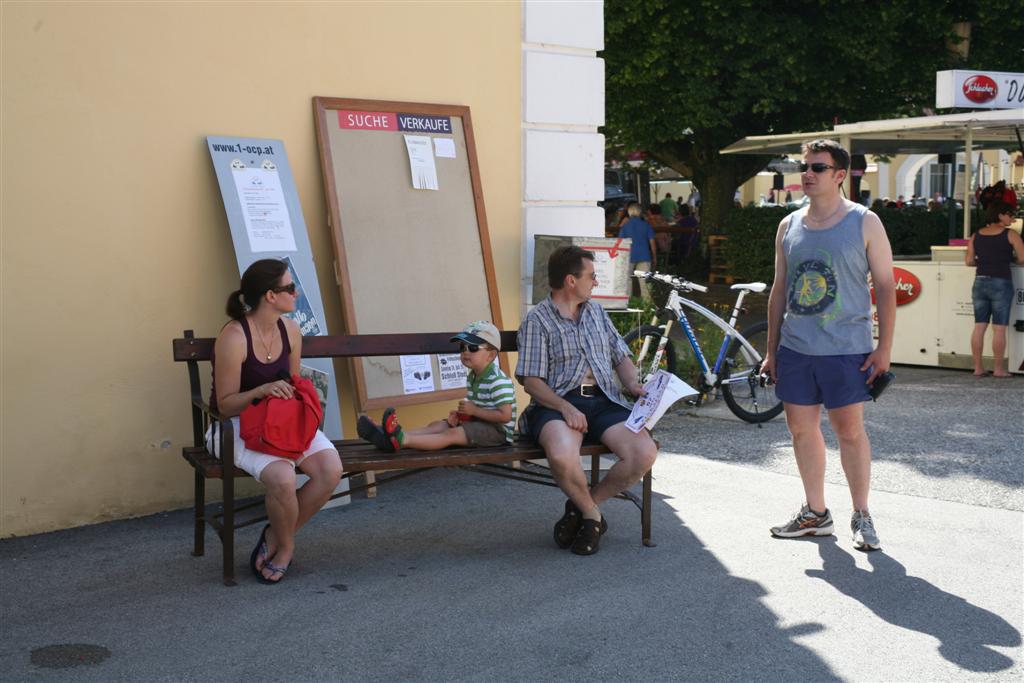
867, 547
809, 531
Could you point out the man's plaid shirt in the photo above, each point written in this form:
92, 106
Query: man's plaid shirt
558, 350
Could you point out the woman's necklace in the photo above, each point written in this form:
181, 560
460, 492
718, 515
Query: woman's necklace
266, 347
822, 221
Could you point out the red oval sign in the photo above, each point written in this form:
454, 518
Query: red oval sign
980, 89
908, 287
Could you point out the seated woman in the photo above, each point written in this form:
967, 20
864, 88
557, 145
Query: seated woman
252, 353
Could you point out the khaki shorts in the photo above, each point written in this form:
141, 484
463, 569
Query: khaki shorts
480, 433
255, 462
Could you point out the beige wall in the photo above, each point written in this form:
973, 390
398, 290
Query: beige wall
114, 236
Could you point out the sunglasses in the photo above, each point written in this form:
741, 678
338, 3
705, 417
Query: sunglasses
472, 348
817, 167
290, 288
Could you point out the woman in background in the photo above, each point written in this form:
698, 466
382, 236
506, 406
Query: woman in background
991, 249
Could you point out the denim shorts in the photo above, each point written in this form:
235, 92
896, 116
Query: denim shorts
835, 381
992, 298
601, 413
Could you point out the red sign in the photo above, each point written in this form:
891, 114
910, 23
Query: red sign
908, 287
367, 120
980, 89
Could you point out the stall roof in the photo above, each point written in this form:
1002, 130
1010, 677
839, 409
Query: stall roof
919, 135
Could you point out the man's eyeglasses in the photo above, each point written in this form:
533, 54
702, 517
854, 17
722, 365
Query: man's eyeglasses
290, 288
472, 348
817, 167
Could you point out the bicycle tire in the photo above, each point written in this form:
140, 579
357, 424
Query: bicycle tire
634, 340
741, 397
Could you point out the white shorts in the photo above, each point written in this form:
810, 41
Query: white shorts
254, 462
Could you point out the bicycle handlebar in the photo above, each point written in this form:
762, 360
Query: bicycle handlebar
675, 282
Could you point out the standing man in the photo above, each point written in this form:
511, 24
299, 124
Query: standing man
568, 350
643, 252
820, 347
669, 208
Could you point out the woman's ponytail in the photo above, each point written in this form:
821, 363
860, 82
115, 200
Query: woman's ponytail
236, 306
258, 278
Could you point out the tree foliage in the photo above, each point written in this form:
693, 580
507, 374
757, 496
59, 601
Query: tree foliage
686, 78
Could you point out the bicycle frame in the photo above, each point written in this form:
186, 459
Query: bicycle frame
676, 303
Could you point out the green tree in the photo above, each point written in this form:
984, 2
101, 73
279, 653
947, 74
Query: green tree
686, 78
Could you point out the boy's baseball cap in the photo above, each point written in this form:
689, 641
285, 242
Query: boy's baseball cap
480, 332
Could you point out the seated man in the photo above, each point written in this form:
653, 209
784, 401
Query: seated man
568, 350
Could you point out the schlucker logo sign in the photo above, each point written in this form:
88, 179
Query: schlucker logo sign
979, 89
908, 287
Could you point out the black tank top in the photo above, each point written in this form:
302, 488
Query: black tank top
993, 254
255, 372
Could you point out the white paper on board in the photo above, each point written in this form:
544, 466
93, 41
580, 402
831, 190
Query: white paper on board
421, 162
444, 148
453, 372
264, 210
417, 376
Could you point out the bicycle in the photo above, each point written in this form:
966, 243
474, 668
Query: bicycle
737, 369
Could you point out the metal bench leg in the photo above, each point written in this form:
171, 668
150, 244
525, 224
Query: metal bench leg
595, 470
227, 537
200, 515
645, 511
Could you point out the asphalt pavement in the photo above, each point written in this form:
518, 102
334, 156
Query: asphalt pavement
453, 576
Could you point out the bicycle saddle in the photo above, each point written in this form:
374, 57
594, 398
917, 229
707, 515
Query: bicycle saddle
756, 287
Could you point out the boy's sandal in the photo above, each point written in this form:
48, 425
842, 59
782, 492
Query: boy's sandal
365, 427
275, 570
589, 537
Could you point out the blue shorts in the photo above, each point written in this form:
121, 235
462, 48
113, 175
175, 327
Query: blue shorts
836, 381
992, 297
601, 413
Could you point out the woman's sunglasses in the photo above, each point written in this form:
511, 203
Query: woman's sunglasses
290, 288
817, 167
472, 348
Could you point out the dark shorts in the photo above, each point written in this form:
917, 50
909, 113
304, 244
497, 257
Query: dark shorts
481, 433
834, 381
600, 411
992, 298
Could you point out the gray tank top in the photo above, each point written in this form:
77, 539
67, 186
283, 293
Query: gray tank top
828, 303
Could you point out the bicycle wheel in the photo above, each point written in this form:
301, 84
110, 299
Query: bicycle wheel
741, 385
635, 340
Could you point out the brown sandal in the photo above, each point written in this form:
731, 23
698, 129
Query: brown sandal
568, 526
589, 536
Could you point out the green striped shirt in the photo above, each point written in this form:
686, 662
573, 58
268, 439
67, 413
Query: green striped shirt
492, 389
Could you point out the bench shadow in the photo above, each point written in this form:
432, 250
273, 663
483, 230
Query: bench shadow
966, 632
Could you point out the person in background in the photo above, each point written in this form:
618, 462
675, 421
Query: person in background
252, 352
689, 230
668, 207
643, 253
991, 250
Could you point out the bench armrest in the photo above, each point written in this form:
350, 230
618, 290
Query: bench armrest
223, 429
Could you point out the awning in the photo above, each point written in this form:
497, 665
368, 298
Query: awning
945, 134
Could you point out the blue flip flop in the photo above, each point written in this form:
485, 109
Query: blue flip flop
259, 551
276, 570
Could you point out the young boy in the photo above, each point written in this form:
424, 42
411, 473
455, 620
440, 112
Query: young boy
486, 417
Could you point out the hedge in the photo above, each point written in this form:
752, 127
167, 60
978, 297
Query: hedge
750, 248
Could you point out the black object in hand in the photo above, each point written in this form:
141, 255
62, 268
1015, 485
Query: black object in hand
880, 384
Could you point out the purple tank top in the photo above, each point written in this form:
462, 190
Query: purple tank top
255, 372
993, 255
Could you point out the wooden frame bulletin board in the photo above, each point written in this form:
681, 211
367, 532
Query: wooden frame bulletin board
407, 259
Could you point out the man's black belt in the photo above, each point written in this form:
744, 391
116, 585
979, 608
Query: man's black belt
587, 390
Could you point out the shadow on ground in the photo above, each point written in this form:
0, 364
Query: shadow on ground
444, 576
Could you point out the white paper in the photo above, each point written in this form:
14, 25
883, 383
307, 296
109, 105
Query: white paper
444, 148
663, 389
417, 376
453, 372
264, 210
604, 271
421, 162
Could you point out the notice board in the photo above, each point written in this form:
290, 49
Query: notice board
409, 229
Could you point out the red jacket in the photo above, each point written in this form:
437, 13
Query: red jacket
283, 427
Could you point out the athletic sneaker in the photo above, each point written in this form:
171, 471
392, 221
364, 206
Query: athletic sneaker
864, 535
805, 523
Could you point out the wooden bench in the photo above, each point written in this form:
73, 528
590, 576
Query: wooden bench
357, 457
